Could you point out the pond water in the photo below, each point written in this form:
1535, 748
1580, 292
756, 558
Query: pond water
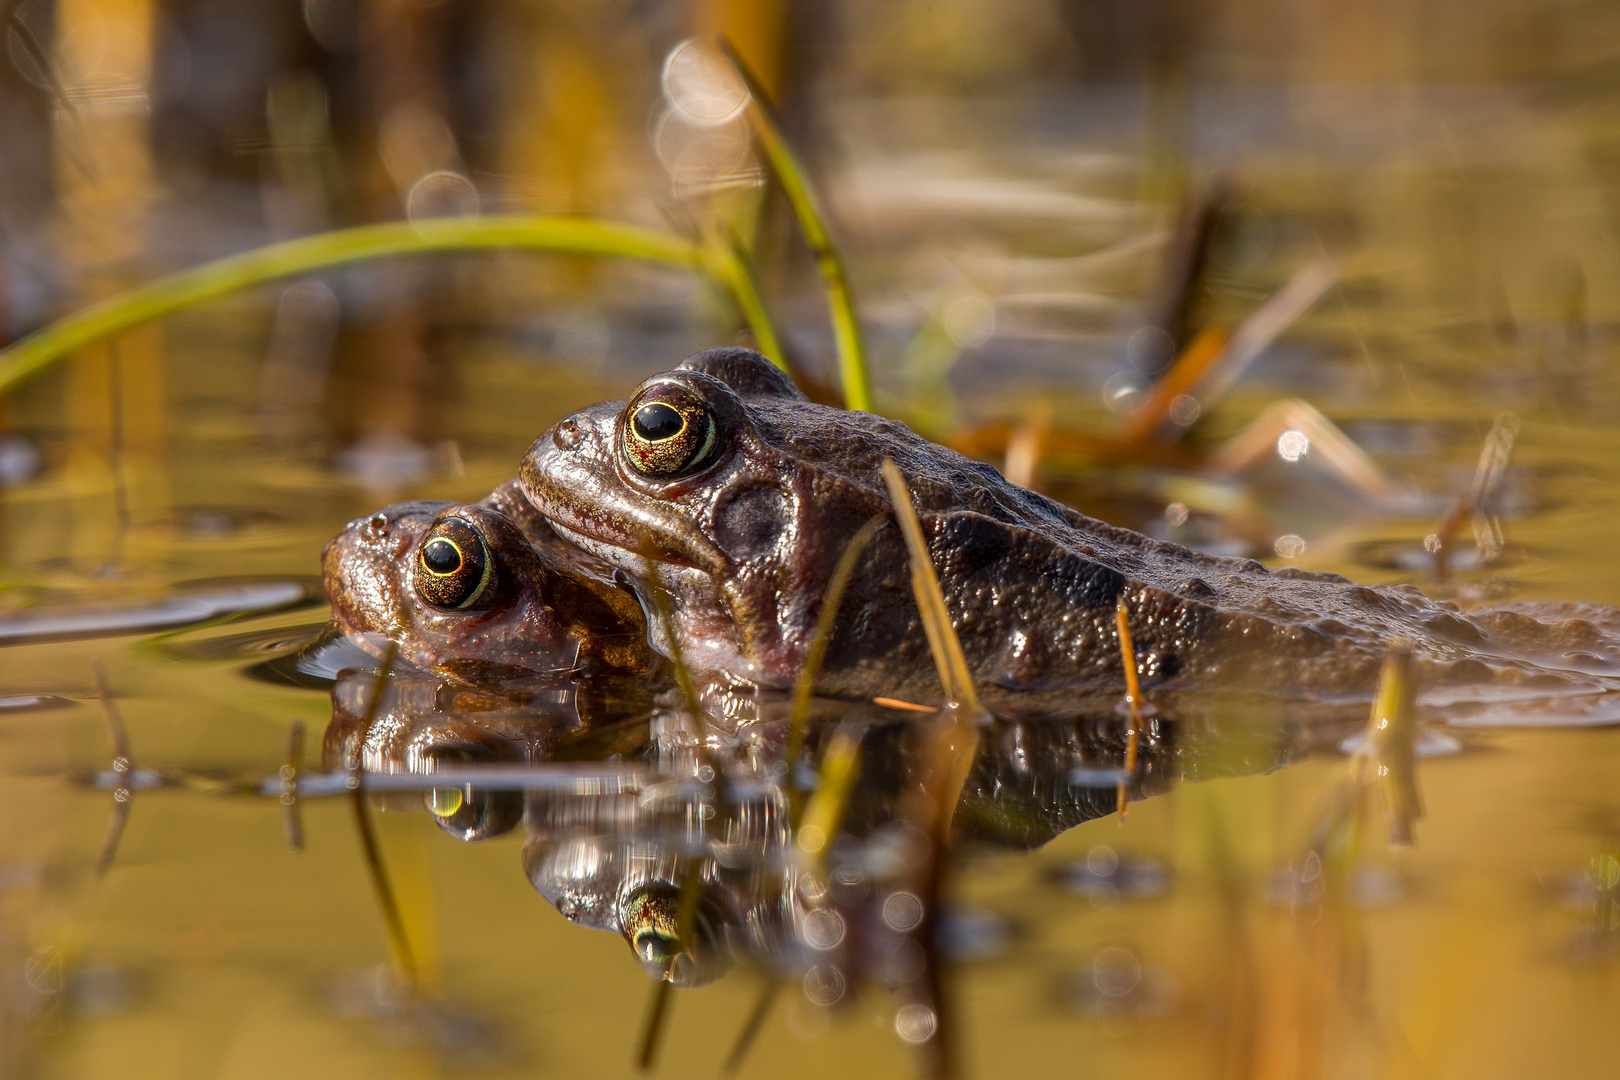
1205, 933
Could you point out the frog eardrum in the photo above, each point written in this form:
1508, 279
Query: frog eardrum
668, 431
453, 566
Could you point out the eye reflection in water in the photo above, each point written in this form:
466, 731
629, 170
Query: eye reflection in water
707, 805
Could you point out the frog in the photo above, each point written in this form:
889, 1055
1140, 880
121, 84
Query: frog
719, 487
482, 594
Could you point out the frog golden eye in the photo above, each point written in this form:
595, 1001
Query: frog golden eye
669, 431
649, 919
453, 566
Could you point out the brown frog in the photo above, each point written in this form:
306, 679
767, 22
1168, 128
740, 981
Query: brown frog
482, 592
744, 493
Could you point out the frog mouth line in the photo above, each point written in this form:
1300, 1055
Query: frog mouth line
670, 547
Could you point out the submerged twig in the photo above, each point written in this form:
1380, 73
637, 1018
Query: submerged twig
658, 1006
816, 650
380, 882
123, 767
1479, 506
292, 819
752, 1026
1488, 474
1388, 757
813, 225
813, 838
1134, 703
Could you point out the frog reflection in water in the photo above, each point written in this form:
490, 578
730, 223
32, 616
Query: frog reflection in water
744, 492
615, 859
481, 593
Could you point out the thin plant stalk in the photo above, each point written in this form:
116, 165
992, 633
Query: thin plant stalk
292, 819
123, 767
188, 288
1389, 756
753, 1026
658, 1007
823, 817
1133, 701
807, 210
816, 651
380, 882
949, 746
727, 263
949, 658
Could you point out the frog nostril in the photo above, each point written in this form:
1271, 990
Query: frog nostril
566, 435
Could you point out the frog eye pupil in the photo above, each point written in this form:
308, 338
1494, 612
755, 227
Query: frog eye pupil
441, 556
656, 422
455, 568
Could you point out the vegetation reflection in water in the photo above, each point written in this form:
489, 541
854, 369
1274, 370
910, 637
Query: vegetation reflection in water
1246, 924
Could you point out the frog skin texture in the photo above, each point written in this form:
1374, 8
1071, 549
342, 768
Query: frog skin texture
549, 608
744, 542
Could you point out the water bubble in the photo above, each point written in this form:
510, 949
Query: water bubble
19, 461
698, 154
1605, 871
702, 86
823, 929
441, 194
1150, 349
902, 911
969, 320
1101, 860
1290, 546
1123, 391
824, 984
1115, 972
1176, 514
915, 1023
1184, 409
1293, 445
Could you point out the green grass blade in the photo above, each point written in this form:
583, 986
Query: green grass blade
725, 261
560, 235
813, 224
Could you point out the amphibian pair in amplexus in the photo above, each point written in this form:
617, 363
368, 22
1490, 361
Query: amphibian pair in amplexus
745, 493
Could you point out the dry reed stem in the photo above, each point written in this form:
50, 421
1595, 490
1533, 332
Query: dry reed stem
949, 659
950, 744
1388, 759
1133, 702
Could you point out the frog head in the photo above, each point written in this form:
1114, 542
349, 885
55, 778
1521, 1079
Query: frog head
727, 497
478, 592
